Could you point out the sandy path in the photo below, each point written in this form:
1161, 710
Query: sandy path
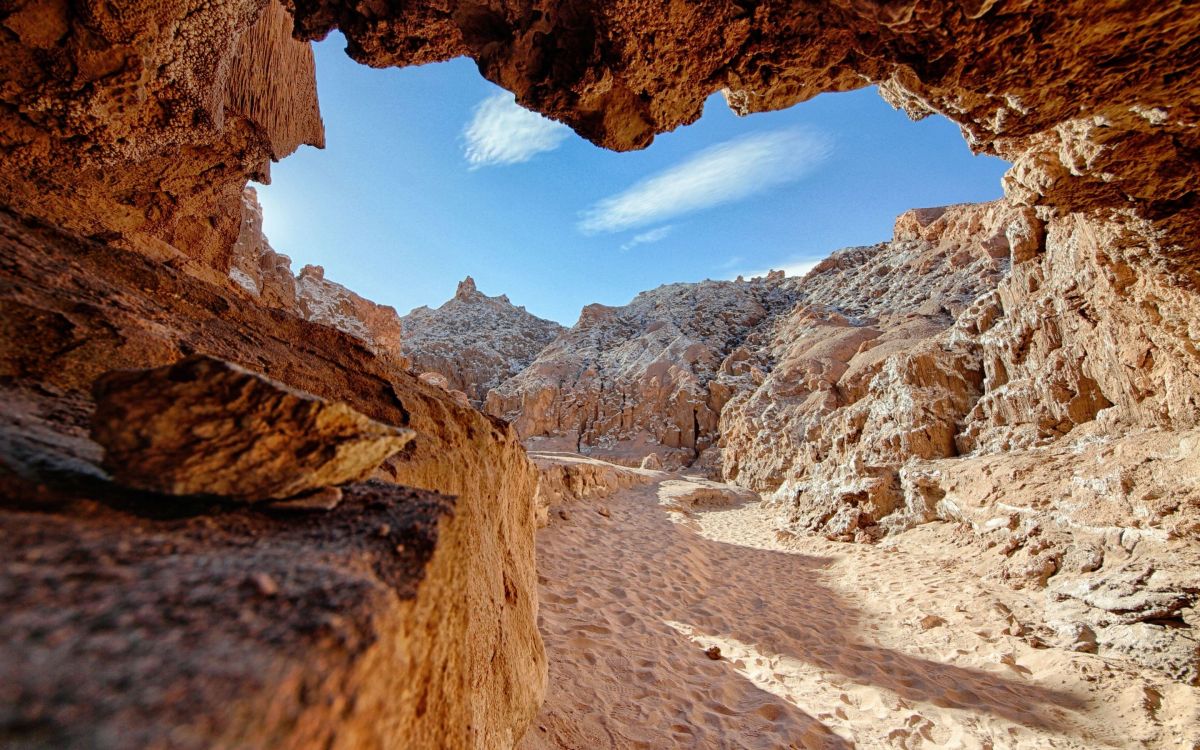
823, 645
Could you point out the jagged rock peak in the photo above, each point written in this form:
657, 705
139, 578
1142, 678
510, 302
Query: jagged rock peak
466, 289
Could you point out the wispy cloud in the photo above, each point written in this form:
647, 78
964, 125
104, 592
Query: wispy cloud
503, 132
724, 173
657, 234
790, 268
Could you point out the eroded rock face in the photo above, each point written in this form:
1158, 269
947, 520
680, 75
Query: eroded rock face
110, 114
357, 627
1090, 116
853, 384
329, 303
645, 378
476, 342
205, 427
162, 620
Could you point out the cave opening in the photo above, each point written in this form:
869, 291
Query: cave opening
434, 170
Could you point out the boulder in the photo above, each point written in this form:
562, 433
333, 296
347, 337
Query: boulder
204, 426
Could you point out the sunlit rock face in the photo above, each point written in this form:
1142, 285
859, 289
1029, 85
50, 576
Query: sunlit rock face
475, 342
355, 626
136, 124
865, 317
648, 377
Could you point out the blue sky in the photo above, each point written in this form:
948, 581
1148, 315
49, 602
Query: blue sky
432, 173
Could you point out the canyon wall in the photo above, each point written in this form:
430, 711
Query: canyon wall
351, 627
648, 377
475, 341
139, 124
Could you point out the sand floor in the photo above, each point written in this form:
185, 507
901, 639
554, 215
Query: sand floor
823, 644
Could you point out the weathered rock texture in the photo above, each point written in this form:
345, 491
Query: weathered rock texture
476, 342
1092, 103
863, 325
1055, 413
267, 275
329, 303
354, 628
140, 122
647, 377
204, 426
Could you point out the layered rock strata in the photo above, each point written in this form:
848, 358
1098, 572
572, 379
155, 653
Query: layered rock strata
647, 377
475, 341
352, 627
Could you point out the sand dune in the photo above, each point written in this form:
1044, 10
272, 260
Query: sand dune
824, 645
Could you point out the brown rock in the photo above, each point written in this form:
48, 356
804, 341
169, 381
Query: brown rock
713, 652
111, 115
325, 498
364, 645
205, 426
565, 478
929, 622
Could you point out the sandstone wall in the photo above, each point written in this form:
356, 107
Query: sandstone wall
357, 628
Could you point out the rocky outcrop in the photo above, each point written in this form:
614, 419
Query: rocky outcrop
864, 323
329, 303
267, 275
647, 377
1099, 114
474, 341
351, 627
565, 478
140, 123
137, 124
205, 427
237, 628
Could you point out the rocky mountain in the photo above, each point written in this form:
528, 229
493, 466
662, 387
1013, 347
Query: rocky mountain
625, 382
859, 309
267, 275
474, 341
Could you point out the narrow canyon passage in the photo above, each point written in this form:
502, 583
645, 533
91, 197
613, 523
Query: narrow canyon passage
823, 644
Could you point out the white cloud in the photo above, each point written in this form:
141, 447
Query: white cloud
503, 132
724, 173
645, 238
789, 268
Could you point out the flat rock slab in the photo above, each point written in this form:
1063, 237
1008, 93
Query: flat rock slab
203, 426
242, 627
